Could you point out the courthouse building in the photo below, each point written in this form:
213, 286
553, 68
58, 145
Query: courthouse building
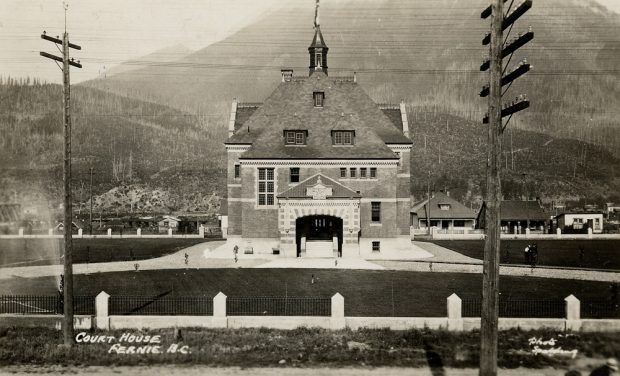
318, 169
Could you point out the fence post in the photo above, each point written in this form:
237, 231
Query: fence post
573, 313
589, 232
80, 233
201, 231
455, 318
109, 233
170, 232
50, 231
102, 316
21, 232
139, 232
220, 320
558, 233
337, 320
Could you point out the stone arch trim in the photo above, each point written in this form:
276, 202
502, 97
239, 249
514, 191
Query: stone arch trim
291, 210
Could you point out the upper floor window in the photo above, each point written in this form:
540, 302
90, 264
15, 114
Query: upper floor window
319, 97
266, 186
237, 171
353, 172
343, 137
295, 137
343, 172
373, 172
294, 177
363, 173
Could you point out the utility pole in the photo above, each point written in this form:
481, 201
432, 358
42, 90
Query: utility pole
428, 202
499, 48
67, 292
90, 216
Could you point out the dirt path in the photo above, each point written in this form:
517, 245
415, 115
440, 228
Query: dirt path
230, 371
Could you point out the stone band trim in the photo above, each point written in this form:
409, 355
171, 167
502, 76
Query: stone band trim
318, 162
399, 147
367, 200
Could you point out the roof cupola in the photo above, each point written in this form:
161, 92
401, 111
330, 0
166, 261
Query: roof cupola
318, 49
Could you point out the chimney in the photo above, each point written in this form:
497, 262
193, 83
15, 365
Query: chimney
233, 118
287, 74
403, 116
447, 193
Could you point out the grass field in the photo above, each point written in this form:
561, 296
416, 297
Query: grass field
597, 254
304, 347
366, 293
27, 252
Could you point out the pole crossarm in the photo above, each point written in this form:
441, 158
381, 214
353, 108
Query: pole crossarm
513, 45
59, 41
515, 73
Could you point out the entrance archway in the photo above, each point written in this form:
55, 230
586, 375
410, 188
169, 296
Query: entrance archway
318, 231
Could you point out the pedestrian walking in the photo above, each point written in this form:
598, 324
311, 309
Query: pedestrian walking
526, 254
312, 280
335, 262
186, 258
430, 266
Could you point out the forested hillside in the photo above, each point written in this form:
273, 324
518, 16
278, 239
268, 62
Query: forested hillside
143, 148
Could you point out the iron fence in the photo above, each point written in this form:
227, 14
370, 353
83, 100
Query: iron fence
278, 306
518, 308
600, 309
162, 306
45, 305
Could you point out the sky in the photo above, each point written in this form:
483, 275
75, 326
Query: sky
113, 31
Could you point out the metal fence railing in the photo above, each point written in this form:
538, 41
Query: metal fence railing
518, 308
600, 309
44, 305
163, 306
278, 306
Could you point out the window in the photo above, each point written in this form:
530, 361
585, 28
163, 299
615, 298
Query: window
459, 223
444, 206
237, 171
319, 96
363, 173
295, 137
294, 174
376, 246
373, 172
353, 172
375, 208
266, 187
343, 137
165, 223
343, 172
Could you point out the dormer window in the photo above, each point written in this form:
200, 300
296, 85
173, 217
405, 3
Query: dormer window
319, 97
295, 137
444, 206
343, 137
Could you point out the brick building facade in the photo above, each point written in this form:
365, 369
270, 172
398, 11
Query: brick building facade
318, 169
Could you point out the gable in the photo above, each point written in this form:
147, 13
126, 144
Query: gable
313, 188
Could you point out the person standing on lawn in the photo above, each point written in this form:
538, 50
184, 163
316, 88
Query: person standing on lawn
527, 254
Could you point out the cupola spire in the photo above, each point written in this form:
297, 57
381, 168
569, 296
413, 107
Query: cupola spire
318, 49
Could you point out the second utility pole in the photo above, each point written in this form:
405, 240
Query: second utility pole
490, 278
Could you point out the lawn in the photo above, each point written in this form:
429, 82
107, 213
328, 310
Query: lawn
27, 252
597, 254
366, 293
434, 349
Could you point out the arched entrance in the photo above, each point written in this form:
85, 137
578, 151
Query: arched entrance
316, 235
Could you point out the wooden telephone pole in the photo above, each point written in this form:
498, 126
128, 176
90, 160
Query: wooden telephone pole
499, 48
67, 291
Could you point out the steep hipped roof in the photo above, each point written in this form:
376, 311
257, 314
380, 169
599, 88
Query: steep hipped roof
338, 190
346, 107
456, 211
395, 117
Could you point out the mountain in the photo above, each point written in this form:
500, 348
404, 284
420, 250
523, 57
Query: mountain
426, 52
165, 55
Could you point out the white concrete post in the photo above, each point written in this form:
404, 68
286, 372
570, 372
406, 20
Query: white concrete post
170, 232
589, 232
455, 318
558, 233
80, 233
50, 231
573, 313
139, 232
109, 233
527, 232
21, 232
201, 231
337, 319
102, 315
219, 311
